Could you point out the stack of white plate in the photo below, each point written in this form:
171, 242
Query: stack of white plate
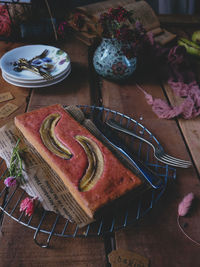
57, 61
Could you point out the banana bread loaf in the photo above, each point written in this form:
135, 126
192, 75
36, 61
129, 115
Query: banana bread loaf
92, 173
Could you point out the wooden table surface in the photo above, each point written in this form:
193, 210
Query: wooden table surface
157, 235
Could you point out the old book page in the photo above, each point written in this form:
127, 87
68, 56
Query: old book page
39, 180
93, 10
141, 12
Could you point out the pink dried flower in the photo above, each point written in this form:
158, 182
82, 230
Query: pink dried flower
10, 181
150, 37
182, 211
177, 55
114, 21
27, 205
185, 204
5, 23
62, 28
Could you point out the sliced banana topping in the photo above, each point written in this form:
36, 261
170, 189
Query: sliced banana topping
95, 163
47, 133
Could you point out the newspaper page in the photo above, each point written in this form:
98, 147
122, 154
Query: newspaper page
42, 182
39, 180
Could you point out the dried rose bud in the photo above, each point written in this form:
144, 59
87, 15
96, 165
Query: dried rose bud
10, 181
62, 28
27, 205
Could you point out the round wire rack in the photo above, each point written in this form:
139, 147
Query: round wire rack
47, 224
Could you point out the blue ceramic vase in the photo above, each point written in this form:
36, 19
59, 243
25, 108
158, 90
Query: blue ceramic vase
110, 61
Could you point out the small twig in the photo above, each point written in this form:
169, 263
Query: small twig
53, 25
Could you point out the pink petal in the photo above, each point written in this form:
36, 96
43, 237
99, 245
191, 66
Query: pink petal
27, 205
185, 204
10, 181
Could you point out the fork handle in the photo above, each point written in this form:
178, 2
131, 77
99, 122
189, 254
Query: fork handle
23, 63
153, 179
42, 55
25, 67
115, 125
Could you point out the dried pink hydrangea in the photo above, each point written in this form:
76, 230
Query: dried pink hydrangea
10, 181
27, 205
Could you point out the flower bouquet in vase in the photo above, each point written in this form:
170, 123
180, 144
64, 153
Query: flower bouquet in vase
122, 37
123, 41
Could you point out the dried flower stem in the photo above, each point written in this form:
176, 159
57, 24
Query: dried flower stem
194, 241
15, 169
183, 209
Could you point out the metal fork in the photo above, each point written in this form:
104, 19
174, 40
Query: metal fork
24, 65
158, 150
42, 55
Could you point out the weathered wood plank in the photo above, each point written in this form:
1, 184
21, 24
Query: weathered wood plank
75, 89
131, 101
20, 99
157, 235
19, 249
65, 251
20, 94
190, 128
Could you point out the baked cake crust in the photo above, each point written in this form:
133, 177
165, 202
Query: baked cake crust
115, 179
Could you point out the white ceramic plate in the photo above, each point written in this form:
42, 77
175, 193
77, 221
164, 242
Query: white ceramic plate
56, 57
33, 85
39, 80
10, 78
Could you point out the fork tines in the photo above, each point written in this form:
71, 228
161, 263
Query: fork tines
45, 75
176, 162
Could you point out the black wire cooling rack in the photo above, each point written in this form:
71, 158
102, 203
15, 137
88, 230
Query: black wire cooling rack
47, 224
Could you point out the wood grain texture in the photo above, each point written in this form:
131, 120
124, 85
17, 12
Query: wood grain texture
190, 128
131, 101
20, 94
75, 89
157, 236
17, 251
